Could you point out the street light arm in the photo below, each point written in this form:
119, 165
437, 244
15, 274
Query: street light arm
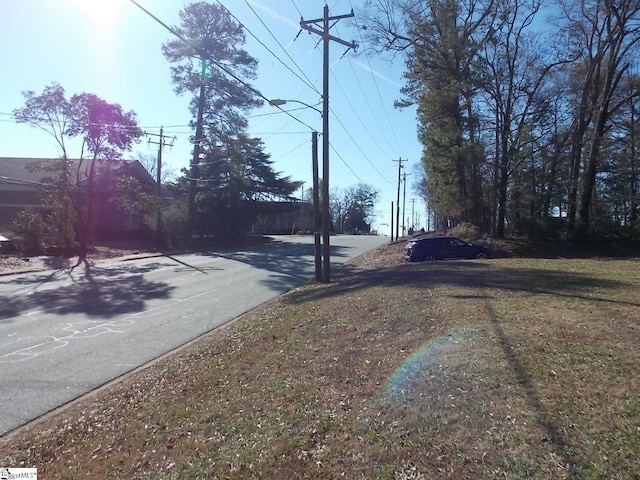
277, 102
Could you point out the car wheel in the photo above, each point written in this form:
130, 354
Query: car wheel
481, 255
430, 258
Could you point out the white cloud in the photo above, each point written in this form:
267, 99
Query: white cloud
274, 14
366, 67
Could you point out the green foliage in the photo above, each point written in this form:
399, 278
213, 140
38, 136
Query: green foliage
213, 35
466, 231
442, 82
106, 131
28, 232
173, 232
237, 181
59, 223
353, 208
515, 129
210, 37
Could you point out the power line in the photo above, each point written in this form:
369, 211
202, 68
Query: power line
353, 139
361, 151
306, 79
214, 62
296, 7
346, 164
375, 83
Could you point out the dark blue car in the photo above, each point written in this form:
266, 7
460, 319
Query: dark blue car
439, 248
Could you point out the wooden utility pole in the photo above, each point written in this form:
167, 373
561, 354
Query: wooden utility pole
400, 160
313, 26
404, 201
413, 215
161, 142
317, 254
392, 221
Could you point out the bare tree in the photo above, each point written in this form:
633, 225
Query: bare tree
604, 35
105, 131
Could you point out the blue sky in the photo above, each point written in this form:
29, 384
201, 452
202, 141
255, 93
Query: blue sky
113, 49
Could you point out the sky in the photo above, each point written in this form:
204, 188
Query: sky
112, 48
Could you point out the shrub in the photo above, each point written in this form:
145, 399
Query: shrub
60, 223
465, 231
174, 226
28, 232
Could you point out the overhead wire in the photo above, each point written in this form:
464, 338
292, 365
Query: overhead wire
346, 164
168, 129
340, 121
355, 112
365, 156
214, 62
306, 79
373, 77
296, 7
347, 99
258, 93
305, 143
374, 117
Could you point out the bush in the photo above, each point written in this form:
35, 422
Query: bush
465, 231
28, 232
174, 226
60, 224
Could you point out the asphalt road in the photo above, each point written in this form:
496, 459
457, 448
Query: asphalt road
64, 334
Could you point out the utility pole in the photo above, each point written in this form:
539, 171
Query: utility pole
161, 142
400, 160
317, 254
313, 26
413, 215
392, 221
404, 200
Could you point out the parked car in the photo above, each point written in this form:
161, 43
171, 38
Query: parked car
438, 248
6, 245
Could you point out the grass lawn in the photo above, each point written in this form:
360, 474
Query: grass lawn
483, 369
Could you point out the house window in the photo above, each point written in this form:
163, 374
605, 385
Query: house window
132, 219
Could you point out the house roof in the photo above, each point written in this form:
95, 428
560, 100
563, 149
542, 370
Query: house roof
18, 172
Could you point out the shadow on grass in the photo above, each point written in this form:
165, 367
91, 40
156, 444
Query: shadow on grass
545, 420
94, 291
475, 275
480, 278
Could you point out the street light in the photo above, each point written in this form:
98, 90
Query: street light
278, 102
316, 200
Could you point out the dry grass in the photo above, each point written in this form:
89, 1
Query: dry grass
507, 368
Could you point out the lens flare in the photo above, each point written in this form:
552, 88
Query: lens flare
425, 362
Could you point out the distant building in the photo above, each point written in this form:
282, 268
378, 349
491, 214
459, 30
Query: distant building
24, 183
280, 218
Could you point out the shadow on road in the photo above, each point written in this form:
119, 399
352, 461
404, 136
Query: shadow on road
98, 292
116, 289
289, 263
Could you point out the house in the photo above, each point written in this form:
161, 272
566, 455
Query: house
24, 183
